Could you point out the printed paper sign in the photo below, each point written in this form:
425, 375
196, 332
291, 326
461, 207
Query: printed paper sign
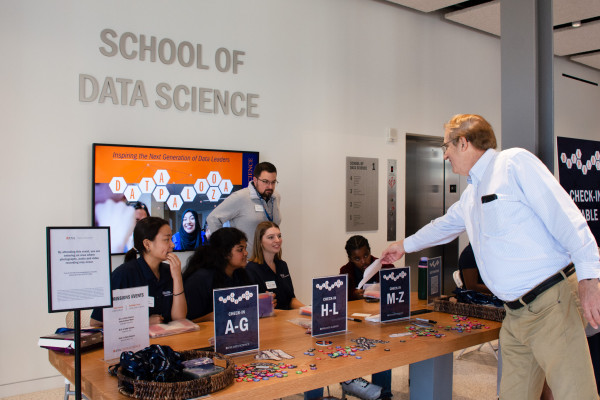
236, 319
126, 324
395, 294
78, 268
329, 305
370, 271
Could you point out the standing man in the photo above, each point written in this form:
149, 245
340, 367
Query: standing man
246, 208
526, 234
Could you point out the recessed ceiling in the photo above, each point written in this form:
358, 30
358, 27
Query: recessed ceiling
426, 5
592, 60
568, 40
485, 17
577, 40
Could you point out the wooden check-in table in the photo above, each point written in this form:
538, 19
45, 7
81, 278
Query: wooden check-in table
430, 357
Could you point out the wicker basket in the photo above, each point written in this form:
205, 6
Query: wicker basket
470, 310
139, 389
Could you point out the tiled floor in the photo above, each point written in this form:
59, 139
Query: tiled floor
51, 394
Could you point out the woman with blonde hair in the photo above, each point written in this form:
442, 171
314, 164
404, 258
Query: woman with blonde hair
268, 270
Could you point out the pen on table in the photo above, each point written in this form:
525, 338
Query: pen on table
426, 320
354, 319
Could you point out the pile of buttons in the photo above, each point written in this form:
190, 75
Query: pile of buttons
366, 344
332, 352
340, 351
361, 344
424, 332
463, 324
256, 372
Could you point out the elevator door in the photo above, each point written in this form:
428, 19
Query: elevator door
431, 187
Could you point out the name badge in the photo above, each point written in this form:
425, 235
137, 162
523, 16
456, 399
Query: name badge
150, 301
271, 284
259, 207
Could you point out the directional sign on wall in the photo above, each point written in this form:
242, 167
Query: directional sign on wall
361, 194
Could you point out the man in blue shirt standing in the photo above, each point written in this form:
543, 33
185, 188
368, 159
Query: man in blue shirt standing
526, 234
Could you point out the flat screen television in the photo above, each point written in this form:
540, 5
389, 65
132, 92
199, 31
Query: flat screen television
167, 181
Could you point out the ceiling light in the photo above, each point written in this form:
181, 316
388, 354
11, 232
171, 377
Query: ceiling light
576, 24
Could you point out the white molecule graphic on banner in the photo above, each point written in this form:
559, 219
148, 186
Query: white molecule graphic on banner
336, 284
394, 277
231, 298
576, 161
213, 186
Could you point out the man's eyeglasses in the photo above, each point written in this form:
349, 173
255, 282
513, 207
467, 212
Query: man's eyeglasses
268, 182
445, 145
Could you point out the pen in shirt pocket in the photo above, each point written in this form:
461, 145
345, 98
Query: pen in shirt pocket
488, 198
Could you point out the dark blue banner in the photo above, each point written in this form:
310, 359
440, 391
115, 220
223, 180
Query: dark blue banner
434, 278
329, 304
395, 294
579, 175
249, 162
236, 319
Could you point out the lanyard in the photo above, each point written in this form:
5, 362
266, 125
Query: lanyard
269, 217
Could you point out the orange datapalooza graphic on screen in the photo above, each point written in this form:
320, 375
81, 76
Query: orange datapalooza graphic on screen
167, 181
164, 166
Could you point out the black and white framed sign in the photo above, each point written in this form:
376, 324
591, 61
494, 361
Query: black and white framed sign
78, 268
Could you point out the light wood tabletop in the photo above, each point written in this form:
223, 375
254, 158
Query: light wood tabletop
278, 333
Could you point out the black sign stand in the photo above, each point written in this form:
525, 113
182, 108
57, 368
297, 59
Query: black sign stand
77, 355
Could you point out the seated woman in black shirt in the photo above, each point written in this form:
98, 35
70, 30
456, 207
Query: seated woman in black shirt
217, 265
268, 270
152, 238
